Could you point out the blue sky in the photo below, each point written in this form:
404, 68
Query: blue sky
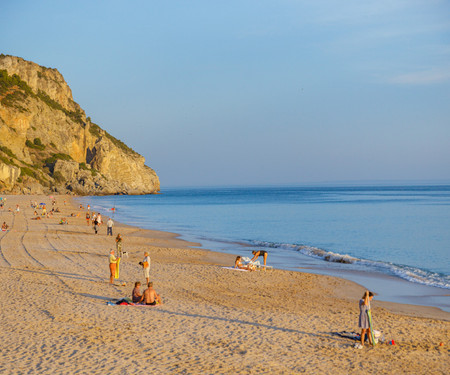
255, 92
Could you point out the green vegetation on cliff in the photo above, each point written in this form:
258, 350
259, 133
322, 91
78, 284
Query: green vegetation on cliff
13, 91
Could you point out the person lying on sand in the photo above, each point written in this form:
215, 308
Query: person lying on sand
238, 264
136, 295
151, 297
4, 226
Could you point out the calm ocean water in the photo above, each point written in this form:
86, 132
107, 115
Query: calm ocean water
402, 231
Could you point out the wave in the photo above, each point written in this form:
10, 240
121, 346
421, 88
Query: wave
413, 274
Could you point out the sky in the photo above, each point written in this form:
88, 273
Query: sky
255, 92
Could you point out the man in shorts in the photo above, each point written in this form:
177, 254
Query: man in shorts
151, 297
146, 265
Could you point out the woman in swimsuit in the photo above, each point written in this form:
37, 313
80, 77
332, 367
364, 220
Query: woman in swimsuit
258, 253
238, 264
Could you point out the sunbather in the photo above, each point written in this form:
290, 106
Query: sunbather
238, 264
150, 296
259, 253
136, 296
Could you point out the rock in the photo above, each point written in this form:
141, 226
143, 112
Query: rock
8, 175
45, 132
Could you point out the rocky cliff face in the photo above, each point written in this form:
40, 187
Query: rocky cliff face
48, 144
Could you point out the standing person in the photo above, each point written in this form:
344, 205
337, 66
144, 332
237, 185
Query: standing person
146, 266
99, 219
95, 225
109, 226
88, 217
89, 207
119, 245
363, 323
17, 208
150, 296
94, 217
259, 253
112, 266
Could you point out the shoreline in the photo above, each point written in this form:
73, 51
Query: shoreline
393, 290
213, 320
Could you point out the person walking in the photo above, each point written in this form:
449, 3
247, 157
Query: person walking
109, 227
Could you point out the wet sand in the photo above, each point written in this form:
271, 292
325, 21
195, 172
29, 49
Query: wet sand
54, 316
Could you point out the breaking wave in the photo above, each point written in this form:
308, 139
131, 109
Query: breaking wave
413, 274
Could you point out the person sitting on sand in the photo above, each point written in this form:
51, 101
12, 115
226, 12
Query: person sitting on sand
4, 226
238, 264
364, 306
136, 295
257, 254
150, 296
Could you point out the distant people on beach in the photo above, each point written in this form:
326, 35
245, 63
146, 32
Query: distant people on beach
88, 217
95, 223
238, 264
136, 295
17, 208
259, 253
109, 227
150, 296
99, 219
146, 266
119, 244
363, 323
4, 227
112, 266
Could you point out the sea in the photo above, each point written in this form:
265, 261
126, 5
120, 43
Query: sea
394, 240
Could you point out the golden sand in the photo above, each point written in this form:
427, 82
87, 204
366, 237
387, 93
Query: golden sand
54, 317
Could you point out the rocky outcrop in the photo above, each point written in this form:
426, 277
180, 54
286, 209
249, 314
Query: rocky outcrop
46, 137
9, 175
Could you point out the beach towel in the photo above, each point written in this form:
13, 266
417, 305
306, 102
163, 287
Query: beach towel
235, 269
116, 276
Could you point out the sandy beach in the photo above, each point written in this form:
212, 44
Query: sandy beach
55, 318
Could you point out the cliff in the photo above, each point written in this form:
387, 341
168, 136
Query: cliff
48, 144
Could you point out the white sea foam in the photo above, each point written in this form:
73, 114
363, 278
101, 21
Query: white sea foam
409, 273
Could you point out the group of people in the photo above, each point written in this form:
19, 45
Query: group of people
149, 297
249, 266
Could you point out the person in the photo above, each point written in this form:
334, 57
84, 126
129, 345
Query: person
109, 226
238, 264
93, 218
136, 295
146, 266
119, 245
258, 253
89, 207
364, 306
99, 219
4, 227
112, 266
95, 226
88, 217
17, 208
150, 296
